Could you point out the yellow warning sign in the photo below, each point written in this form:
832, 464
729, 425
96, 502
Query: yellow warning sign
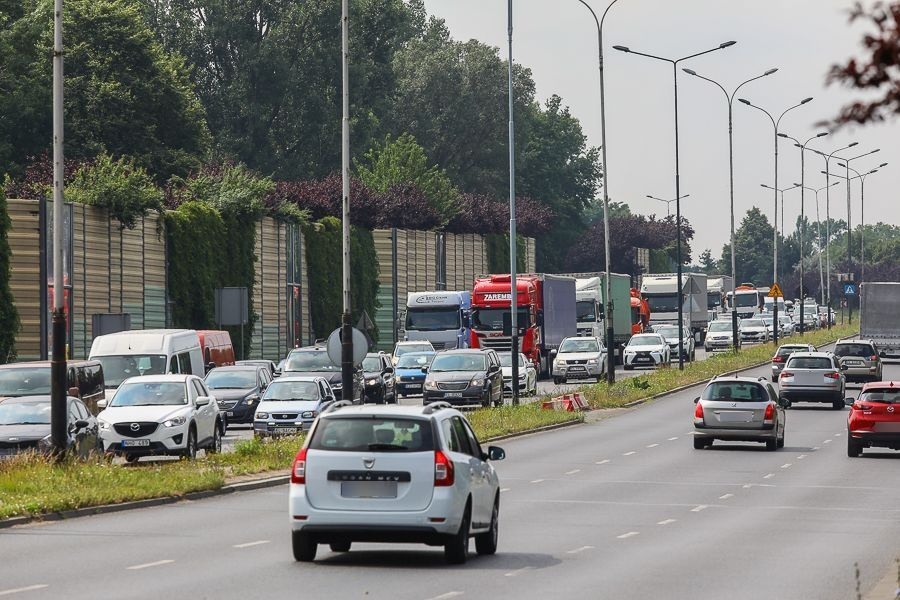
775, 291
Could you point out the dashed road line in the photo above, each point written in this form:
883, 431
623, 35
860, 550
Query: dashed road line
602, 462
700, 508
518, 572
837, 435
148, 565
536, 480
653, 445
28, 588
672, 439
625, 536
726, 496
801, 457
251, 544
827, 441
573, 471
504, 489
629, 453
667, 522
580, 550
768, 475
446, 596
786, 465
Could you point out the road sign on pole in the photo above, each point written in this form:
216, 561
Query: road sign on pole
850, 289
775, 291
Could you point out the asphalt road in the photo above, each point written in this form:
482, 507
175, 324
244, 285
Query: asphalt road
618, 508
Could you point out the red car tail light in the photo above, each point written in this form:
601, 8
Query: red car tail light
833, 375
786, 374
770, 412
698, 412
298, 470
778, 359
443, 470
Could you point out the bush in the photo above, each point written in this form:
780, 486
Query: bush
126, 191
9, 316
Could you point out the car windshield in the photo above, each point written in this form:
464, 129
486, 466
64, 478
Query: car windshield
292, 390
459, 362
407, 348
858, 350
24, 381
720, 326
25, 413
367, 434
506, 360
138, 393
117, 369
432, 319
226, 379
644, 340
415, 360
371, 364
585, 311
809, 362
310, 360
882, 395
752, 323
571, 345
734, 391
668, 331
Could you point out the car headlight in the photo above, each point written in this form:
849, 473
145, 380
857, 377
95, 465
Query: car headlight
104, 426
592, 361
309, 414
251, 399
430, 385
477, 382
372, 381
175, 422
262, 415
396, 379
522, 377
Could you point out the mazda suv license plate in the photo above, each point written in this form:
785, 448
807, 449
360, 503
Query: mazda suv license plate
135, 443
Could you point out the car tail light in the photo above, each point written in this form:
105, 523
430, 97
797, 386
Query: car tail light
770, 412
832, 375
778, 359
785, 374
443, 470
874, 357
298, 471
698, 412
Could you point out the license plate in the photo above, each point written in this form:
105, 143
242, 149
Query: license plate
285, 430
854, 363
736, 417
642, 359
369, 489
135, 443
230, 413
453, 395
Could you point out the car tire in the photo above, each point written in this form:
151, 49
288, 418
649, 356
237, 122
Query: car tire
699, 443
340, 546
486, 543
772, 445
837, 405
780, 442
215, 447
557, 380
190, 449
132, 458
303, 546
627, 367
456, 550
774, 379
854, 448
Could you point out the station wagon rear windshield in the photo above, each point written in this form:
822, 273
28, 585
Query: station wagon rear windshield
858, 350
884, 396
732, 391
367, 434
810, 362
788, 350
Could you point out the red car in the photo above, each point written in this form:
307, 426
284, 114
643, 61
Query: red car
874, 419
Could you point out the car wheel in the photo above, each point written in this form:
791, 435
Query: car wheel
854, 448
132, 458
771, 445
456, 550
780, 443
557, 380
304, 548
340, 546
190, 450
699, 443
486, 543
627, 367
216, 446
774, 379
693, 355
837, 405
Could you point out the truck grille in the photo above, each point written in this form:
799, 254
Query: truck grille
141, 430
498, 343
453, 386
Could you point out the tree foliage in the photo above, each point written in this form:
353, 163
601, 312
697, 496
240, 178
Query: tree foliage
122, 188
753, 249
9, 316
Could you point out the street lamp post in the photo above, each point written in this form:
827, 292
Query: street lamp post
668, 202
513, 276
729, 98
802, 186
775, 241
674, 63
610, 333
819, 227
862, 215
775, 124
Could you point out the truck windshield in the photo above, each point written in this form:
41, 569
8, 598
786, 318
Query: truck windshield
746, 300
491, 319
117, 369
586, 311
663, 303
713, 300
432, 319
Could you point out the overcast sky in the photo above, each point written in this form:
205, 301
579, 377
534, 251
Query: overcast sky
557, 40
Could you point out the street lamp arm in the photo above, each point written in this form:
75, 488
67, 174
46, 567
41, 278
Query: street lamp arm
719, 47
712, 81
761, 109
802, 102
766, 74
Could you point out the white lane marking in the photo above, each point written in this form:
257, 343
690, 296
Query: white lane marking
29, 588
251, 544
653, 445
579, 550
667, 522
801, 457
786, 465
825, 442
691, 433
504, 489
625, 536
573, 471
518, 572
602, 462
148, 565
629, 453
672, 439
837, 435
726, 496
446, 596
747, 486
769, 476
536, 480
816, 448
700, 507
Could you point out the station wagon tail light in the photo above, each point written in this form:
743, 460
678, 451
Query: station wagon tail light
698, 412
832, 375
298, 471
443, 470
770, 413
786, 374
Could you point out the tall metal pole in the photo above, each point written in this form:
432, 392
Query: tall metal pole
513, 282
819, 235
849, 248
58, 409
346, 326
607, 296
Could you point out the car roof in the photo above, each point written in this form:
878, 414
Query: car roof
816, 354
290, 378
413, 342
381, 410
467, 351
170, 378
793, 346
737, 379
880, 385
254, 367
29, 399
842, 342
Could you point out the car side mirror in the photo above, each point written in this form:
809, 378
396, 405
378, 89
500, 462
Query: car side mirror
425, 369
81, 424
849, 401
389, 371
553, 352
496, 453
844, 367
263, 387
102, 403
74, 392
697, 399
202, 400
784, 403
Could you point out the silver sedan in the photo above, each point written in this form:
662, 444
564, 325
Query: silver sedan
740, 409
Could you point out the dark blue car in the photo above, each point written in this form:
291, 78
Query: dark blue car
408, 372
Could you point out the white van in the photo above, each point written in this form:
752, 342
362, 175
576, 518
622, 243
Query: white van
147, 352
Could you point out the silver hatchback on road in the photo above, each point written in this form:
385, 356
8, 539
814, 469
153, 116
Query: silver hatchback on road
740, 409
813, 377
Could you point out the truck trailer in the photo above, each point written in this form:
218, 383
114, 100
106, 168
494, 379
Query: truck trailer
879, 319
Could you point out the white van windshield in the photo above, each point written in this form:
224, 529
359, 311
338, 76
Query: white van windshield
117, 369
